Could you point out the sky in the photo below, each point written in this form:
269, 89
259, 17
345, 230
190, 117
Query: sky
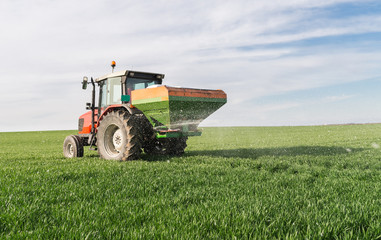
281, 63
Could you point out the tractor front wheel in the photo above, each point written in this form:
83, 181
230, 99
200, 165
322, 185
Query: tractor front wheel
118, 137
73, 147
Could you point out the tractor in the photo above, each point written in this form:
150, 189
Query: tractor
136, 113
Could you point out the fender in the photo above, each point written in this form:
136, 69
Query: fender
131, 110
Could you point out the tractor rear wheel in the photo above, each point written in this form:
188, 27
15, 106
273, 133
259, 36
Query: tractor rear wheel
118, 137
73, 147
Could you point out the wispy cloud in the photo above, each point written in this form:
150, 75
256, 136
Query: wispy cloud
337, 98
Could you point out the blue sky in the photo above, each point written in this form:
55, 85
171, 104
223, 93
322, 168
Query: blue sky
296, 62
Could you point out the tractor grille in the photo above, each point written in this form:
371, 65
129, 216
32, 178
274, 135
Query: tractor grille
80, 124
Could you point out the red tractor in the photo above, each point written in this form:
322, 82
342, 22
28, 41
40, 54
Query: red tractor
136, 112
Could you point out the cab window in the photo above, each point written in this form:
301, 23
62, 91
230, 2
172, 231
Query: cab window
139, 83
111, 91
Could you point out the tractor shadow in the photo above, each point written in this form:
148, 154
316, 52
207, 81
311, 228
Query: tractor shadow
254, 153
143, 157
156, 158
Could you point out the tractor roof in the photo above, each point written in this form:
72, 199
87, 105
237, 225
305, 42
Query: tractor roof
132, 74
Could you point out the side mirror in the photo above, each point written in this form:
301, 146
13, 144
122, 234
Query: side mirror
84, 83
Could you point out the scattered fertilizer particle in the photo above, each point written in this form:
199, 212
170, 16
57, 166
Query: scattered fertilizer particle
348, 150
375, 145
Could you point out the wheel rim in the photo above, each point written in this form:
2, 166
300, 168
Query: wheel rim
117, 139
113, 139
70, 149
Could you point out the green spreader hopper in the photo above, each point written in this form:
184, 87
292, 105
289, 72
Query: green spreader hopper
174, 111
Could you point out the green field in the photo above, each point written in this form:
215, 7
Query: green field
320, 182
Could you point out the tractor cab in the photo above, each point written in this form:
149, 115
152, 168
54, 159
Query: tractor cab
116, 88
